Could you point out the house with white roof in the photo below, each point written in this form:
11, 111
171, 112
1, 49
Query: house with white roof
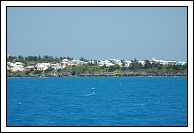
163, 62
56, 66
153, 60
74, 62
42, 66
17, 66
107, 63
30, 67
116, 61
64, 63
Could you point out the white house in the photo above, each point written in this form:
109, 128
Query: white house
56, 66
153, 60
74, 62
172, 62
116, 61
102, 62
107, 63
127, 63
17, 66
163, 62
42, 66
91, 61
64, 63
29, 67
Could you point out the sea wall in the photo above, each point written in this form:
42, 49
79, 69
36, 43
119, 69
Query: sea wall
167, 73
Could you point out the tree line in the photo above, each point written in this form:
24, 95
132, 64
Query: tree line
39, 58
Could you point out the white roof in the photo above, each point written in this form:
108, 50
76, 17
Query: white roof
65, 60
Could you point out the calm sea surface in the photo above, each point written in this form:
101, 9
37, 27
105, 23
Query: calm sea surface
97, 101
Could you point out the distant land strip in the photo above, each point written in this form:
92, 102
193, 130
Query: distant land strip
48, 66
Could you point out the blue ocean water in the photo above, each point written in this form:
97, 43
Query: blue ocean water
97, 101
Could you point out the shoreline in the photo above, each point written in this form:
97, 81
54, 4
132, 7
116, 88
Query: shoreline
76, 76
103, 77
158, 73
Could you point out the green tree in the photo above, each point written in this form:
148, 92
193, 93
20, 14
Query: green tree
12, 58
29, 71
95, 62
20, 58
48, 70
69, 58
156, 65
38, 72
147, 64
39, 58
123, 63
135, 64
113, 68
83, 59
35, 58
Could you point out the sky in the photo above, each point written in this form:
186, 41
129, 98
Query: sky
98, 32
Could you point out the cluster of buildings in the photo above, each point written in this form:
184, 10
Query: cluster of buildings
110, 62
167, 62
19, 66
